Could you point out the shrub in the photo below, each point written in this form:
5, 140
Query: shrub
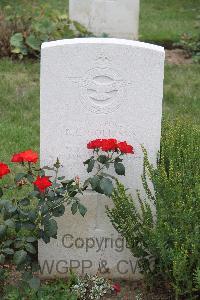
167, 246
24, 30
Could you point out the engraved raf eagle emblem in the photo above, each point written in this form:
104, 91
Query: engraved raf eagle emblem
102, 87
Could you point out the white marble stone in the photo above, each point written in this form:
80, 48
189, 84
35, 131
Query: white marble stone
94, 88
116, 18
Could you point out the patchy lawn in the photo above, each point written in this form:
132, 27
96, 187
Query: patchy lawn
165, 21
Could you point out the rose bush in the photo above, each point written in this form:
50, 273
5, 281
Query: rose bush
102, 182
26, 220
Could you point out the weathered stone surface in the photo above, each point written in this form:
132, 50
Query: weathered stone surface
97, 88
116, 18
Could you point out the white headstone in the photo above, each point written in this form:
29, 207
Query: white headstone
116, 18
97, 88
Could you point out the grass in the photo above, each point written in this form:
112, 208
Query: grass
165, 21
182, 92
19, 102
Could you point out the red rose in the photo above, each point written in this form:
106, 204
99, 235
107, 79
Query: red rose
95, 144
109, 144
17, 158
117, 288
42, 183
125, 148
26, 156
4, 169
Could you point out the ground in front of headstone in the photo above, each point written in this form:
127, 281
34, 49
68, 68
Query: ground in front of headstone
130, 290
136, 290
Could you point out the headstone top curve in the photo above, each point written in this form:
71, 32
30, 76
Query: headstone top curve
105, 41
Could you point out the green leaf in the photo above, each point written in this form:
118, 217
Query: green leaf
30, 178
45, 238
30, 248
28, 225
8, 251
20, 257
19, 176
8, 243
107, 186
16, 40
82, 209
61, 177
59, 211
16, 51
51, 194
67, 182
74, 208
2, 230
31, 239
10, 223
25, 202
41, 173
94, 181
44, 209
119, 168
118, 159
90, 165
34, 194
4, 203
23, 213
86, 183
95, 184
19, 244
1, 192
2, 259
102, 159
87, 161
50, 228
79, 27
11, 208
35, 266
33, 42
34, 283
32, 215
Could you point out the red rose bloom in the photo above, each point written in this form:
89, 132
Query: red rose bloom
26, 156
17, 158
4, 170
125, 148
42, 183
117, 288
95, 144
109, 144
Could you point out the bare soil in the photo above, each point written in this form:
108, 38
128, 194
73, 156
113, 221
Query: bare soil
177, 57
